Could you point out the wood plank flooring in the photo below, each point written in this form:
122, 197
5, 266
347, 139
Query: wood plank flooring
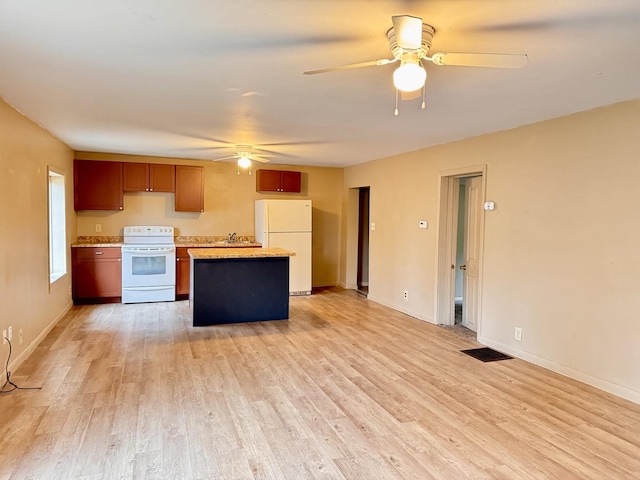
345, 389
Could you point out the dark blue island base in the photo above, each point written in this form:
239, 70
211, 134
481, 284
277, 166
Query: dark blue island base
233, 290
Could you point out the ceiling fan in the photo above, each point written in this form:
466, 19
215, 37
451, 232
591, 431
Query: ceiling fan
410, 41
245, 154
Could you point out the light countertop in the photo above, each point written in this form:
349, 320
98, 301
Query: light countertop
180, 241
100, 242
219, 253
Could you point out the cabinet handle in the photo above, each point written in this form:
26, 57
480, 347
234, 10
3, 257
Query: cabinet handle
151, 189
177, 259
121, 208
146, 189
98, 253
119, 259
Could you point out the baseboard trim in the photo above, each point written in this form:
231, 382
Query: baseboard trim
17, 361
583, 377
403, 309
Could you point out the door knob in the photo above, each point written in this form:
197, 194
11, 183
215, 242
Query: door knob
463, 267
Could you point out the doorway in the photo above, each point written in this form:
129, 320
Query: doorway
459, 272
363, 241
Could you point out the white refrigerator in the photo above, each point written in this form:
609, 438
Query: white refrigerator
287, 224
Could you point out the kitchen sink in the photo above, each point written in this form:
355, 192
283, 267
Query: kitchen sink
227, 242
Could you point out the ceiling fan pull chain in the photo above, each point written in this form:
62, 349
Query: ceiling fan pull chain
424, 90
396, 112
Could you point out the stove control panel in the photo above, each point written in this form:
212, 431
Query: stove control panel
149, 231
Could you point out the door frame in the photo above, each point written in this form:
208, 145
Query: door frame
352, 234
448, 194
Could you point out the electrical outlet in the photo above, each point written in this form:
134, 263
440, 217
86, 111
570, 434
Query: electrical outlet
4, 337
20, 336
10, 334
98, 227
405, 296
518, 334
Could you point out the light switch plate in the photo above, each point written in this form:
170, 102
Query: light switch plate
423, 224
489, 206
373, 226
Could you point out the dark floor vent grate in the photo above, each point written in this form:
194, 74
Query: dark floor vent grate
486, 354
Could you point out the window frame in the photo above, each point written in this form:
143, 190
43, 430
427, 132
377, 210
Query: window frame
56, 224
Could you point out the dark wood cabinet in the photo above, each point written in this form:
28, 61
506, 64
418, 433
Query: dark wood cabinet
96, 274
278, 181
97, 185
145, 177
183, 270
162, 178
189, 189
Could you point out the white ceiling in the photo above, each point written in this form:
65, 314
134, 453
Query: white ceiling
190, 78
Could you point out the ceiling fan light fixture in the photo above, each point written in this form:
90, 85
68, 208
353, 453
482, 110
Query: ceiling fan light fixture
409, 77
244, 162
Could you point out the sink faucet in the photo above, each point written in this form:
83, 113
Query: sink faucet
232, 237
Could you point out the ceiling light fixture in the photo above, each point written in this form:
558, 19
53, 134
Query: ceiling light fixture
410, 75
244, 162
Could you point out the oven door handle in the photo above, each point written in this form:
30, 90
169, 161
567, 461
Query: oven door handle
148, 251
148, 289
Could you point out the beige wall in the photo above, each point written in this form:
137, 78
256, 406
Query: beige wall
560, 250
229, 207
26, 300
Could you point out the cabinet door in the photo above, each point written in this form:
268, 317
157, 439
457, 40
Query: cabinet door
183, 270
97, 272
97, 185
267, 180
278, 181
189, 189
162, 178
290, 182
136, 177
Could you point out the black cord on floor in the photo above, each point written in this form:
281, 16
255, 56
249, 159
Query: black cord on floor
9, 382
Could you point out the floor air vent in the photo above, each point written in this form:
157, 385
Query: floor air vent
486, 354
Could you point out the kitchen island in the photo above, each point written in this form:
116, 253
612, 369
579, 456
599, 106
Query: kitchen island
233, 285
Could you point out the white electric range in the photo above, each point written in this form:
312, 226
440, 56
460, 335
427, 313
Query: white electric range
148, 264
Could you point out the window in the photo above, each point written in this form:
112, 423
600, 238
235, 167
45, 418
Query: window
57, 226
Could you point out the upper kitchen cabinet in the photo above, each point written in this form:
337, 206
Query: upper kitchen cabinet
189, 188
97, 185
278, 181
145, 177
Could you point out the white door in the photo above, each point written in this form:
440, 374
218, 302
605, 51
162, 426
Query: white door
300, 264
472, 232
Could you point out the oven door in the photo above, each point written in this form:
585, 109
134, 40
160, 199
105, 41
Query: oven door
148, 266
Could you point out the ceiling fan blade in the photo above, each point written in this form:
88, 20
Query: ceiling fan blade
408, 31
260, 159
494, 60
226, 158
372, 63
286, 144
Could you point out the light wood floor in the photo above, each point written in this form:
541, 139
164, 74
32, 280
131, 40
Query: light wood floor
346, 389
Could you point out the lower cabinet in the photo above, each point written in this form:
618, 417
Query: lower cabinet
96, 274
183, 271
